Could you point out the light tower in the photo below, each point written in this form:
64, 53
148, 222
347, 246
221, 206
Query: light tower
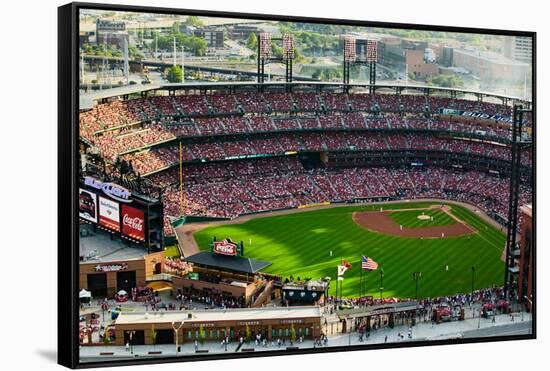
174, 53
288, 55
349, 57
369, 57
265, 55
182, 64
126, 63
372, 57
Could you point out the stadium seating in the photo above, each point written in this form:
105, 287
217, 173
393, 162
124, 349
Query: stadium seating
145, 132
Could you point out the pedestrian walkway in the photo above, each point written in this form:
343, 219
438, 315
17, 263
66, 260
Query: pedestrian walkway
423, 331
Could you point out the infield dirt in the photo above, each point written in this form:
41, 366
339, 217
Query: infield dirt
381, 222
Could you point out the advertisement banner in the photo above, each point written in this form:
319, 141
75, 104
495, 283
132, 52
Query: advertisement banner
479, 115
133, 223
225, 247
87, 208
109, 215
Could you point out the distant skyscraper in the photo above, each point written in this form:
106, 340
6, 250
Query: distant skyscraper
519, 48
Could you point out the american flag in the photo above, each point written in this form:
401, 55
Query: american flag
368, 263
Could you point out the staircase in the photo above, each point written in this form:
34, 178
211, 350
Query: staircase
265, 296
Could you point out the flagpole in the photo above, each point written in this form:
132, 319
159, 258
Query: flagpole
360, 280
341, 282
337, 283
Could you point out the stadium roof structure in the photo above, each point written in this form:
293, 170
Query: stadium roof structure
239, 314
89, 98
233, 263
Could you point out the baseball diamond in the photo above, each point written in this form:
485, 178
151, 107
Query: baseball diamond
299, 244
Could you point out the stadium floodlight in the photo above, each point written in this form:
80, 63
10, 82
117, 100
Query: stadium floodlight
349, 48
372, 51
265, 45
288, 46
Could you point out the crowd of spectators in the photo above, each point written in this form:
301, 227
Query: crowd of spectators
156, 159
133, 129
116, 113
230, 189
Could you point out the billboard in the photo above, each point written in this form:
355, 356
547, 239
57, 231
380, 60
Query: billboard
133, 223
87, 205
225, 247
109, 214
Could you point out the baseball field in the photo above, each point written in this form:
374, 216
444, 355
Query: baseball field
443, 242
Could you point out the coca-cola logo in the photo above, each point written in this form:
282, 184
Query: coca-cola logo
134, 223
225, 248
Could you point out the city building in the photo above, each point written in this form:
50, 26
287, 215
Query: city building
519, 48
446, 59
111, 33
213, 37
242, 31
490, 66
416, 64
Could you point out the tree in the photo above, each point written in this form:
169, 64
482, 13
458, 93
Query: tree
193, 21
247, 334
252, 42
196, 44
106, 337
292, 334
447, 81
153, 335
202, 334
174, 74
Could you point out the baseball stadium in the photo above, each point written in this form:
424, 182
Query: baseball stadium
352, 194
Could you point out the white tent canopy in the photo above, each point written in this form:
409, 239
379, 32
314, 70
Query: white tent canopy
84, 294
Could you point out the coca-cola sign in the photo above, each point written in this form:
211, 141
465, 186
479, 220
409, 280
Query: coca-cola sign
225, 247
133, 223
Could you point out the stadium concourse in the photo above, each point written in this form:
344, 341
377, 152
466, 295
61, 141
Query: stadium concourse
242, 152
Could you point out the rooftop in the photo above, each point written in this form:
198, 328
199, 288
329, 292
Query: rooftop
99, 248
241, 314
491, 57
233, 263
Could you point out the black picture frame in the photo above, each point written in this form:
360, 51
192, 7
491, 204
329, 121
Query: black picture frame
68, 108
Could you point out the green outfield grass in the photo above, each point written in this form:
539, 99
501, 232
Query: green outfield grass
409, 218
300, 244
